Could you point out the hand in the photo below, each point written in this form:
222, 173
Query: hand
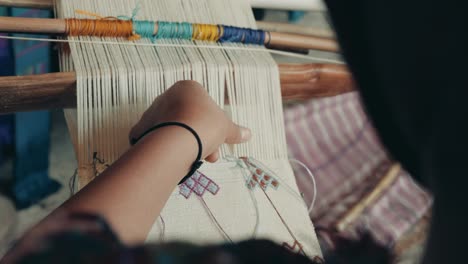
188, 102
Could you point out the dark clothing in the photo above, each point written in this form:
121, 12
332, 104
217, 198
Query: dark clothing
408, 58
86, 238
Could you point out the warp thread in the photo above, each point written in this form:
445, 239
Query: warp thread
249, 161
215, 221
252, 162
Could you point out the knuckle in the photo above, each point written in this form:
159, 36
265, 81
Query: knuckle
188, 83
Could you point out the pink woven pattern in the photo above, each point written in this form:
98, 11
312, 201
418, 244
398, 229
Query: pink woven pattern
198, 184
335, 139
259, 177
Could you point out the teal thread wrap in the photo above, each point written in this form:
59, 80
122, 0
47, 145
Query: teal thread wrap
144, 28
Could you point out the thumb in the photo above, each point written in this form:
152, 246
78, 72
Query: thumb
238, 134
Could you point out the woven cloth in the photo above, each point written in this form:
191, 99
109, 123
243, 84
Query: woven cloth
222, 205
336, 140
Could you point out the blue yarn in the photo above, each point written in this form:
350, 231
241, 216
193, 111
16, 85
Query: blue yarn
252, 36
232, 34
144, 28
249, 36
244, 35
262, 37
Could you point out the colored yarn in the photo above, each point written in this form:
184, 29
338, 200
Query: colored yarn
186, 30
143, 28
174, 30
205, 32
87, 13
128, 27
231, 34
256, 37
99, 27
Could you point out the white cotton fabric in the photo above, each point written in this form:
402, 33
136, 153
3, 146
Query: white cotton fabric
235, 210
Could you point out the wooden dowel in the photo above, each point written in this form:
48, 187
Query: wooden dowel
32, 25
37, 92
38, 4
289, 4
58, 90
303, 42
57, 26
306, 81
383, 185
295, 29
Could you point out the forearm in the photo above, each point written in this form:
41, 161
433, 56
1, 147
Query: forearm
132, 192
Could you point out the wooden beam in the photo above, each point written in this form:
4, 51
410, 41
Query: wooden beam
57, 26
39, 4
37, 92
58, 90
313, 80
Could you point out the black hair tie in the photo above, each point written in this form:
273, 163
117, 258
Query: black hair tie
197, 164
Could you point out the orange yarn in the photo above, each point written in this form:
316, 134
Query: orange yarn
106, 27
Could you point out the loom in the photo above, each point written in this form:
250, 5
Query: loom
219, 72
57, 90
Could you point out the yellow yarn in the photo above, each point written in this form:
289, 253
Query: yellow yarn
205, 32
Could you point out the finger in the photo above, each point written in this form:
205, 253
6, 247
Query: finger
238, 134
213, 157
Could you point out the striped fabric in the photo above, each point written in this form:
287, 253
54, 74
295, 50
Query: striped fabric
336, 140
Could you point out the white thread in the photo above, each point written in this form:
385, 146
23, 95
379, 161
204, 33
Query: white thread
278, 52
257, 213
241, 164
311, 206
279, 179
215, 221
